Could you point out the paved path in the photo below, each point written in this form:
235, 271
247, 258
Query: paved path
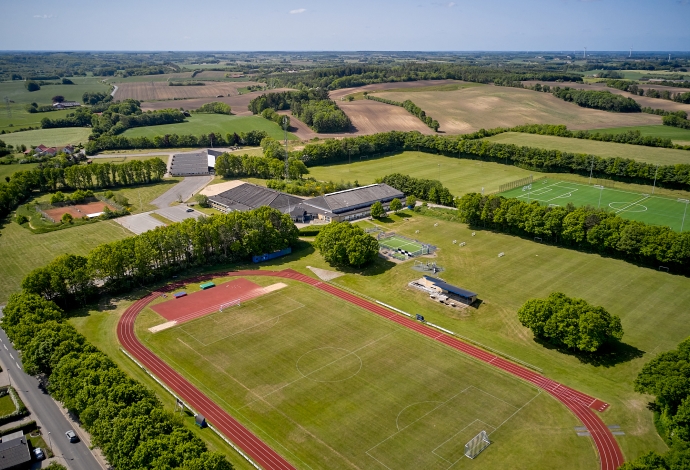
76, 456
182, 190
140, 223
610, 455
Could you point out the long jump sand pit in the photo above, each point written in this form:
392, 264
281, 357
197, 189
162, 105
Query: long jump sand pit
204, 302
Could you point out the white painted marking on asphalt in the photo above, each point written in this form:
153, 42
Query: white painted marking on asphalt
18, 366
5, 347
11, 356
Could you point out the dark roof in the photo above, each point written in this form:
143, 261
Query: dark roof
189, 163
249, 196
451, 288
352, 199
14, 453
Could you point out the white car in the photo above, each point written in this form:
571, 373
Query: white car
72, 436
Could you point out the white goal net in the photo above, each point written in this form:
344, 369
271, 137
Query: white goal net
229, 304
477, 444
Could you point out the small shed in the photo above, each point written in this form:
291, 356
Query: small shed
200, 421
443, 288
207, 285
177, 295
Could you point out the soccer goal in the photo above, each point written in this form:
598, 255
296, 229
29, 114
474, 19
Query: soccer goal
476, 445
230, 304
537, 239
663, 269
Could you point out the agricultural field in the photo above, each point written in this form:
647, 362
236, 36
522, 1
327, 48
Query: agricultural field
326, 367
371, 117
48, 137
238, 103
474, 108
662, 156
677, 135
9, 170
199, 124
653, 210
637, 74
156, 91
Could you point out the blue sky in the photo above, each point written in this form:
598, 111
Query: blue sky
652, 25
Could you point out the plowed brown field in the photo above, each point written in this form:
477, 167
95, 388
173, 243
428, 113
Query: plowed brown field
238, 103
154, 91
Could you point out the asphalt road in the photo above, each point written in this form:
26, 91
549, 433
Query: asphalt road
182, 190
76, 456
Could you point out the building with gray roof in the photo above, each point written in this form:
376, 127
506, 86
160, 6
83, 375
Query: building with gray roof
190, 163
14, 453
354, 203
249, 196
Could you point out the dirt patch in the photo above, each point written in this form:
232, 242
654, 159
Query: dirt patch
153, 91
238, 103
474, 108
325, 274
214, 189
77, 211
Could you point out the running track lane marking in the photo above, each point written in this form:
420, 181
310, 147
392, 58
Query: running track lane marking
610, 455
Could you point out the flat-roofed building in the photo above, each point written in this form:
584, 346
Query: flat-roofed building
354, 203
247, 196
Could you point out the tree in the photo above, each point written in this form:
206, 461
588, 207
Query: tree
32, 86
297, 168
58, 99
202, 200
377, 210
396, 205
342, 244
67, 218
21, 219
570, 322
57, 197
410, 201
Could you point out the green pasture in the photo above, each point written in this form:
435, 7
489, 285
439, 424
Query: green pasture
676, 134
17, 92
19, 118
662, 156
327, 392
9, 170
653, 210
222, 124
48, 137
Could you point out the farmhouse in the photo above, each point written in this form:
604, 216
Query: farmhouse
249, 196
352, 204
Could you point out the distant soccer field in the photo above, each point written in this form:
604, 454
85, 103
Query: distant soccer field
646, 208
329, 385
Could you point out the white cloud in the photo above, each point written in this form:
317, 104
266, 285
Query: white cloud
44, 16
298, 11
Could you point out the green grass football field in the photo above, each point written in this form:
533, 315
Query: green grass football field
654, 210
330, 385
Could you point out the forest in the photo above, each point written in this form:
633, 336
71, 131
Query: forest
313, 107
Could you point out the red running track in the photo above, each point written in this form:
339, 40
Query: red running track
610, 455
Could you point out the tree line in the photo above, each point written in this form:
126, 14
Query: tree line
677, 119
427, 190
214, 107
309, 187
24, 183
604, 100
231, 165
570, 323
125, 419
411, 108
313, 107
667, 378
584, 228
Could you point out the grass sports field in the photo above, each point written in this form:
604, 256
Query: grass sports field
641, 153
49, 137
350, 390
676, 134
645, 208
218, 123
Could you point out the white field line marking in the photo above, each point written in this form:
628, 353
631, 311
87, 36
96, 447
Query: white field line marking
631, 204
540, 191
493, 396
413, 404
517, 411
303, 376
563, 195
621, 191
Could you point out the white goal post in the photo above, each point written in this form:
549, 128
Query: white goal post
232, 303
477, 444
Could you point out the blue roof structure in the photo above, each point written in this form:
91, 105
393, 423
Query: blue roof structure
451, 288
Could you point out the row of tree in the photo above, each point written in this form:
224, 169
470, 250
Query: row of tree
71, 280
271, 115
231, 165
427, 190
24, 183
214, 107
120, 142
125, 419
604, 100
411, 108
586, 228
570, 323
677, 119
313, 107
308, 187
668, 95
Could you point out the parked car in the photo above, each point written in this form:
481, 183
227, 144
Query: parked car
72, 436
38, 454
190, 210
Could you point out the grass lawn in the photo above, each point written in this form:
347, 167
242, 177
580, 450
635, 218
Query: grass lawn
676, 134
49, 137
6, 405
128, 158
140, 197
641, 153
652, 210
327, 392
21, 251
40, 443
458, 175
22, 119
206, 123
9, 170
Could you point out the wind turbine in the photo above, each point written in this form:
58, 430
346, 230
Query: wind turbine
630, 52
585, 56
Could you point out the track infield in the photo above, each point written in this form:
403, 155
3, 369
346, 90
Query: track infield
395, 407
653, 210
